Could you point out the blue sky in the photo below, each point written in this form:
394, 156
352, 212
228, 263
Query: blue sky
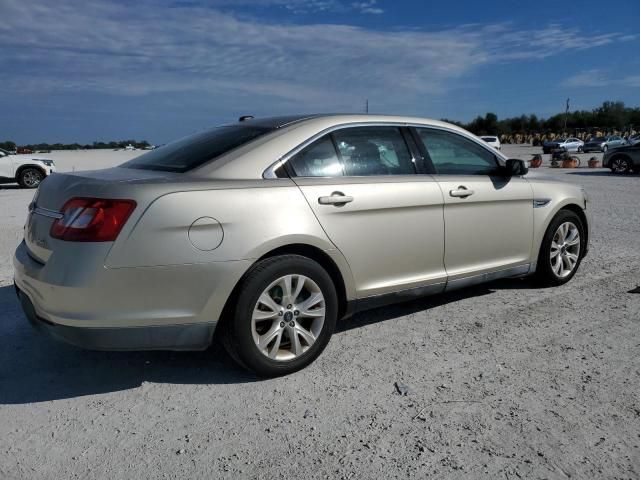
160, 69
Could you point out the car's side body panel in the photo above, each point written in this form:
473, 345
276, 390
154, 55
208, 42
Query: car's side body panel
490, 230
391, 233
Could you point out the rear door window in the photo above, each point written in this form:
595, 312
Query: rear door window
319, 159
371, 151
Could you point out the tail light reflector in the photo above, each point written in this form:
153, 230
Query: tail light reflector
92, 219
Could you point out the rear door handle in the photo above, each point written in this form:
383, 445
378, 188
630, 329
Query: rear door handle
461, 192
337, 199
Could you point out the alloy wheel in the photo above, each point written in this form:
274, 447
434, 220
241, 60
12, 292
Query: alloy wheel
31, 178
288, 317
619, 165
565, 249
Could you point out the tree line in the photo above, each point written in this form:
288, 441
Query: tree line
113, 145
610, 117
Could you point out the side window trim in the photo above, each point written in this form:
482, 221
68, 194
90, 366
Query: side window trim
284, 159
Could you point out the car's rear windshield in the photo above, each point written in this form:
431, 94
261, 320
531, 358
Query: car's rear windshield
195, 150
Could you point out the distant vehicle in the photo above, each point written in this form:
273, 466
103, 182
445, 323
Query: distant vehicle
23, 150
29, 173
625, 159
493, 141
634, 140
570, 144
602, 144
129, 147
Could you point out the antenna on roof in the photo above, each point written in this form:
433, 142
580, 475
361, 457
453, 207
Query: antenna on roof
244, 118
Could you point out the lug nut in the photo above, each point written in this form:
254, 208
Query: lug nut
289, 307
281, 324
292, 324
296, 312
280, 313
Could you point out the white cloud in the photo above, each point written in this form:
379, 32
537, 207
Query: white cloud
600, 78
137, 49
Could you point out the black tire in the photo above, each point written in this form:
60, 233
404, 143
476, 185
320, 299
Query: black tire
544, 271
620, 165
30, 177
236, 330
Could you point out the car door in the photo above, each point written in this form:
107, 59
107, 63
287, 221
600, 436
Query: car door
572, 144
488, 217
362, 185
6, 166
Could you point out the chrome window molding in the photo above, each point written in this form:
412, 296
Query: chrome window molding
270, 172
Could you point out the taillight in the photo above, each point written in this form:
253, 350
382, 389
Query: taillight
92, 219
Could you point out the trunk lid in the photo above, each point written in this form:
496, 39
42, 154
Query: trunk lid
57, 189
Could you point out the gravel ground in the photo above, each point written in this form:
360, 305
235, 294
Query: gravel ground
504, 381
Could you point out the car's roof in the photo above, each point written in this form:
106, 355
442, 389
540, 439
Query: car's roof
288, 120
276, 122
288, 132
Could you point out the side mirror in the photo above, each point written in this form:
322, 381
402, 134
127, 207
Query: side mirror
515, 168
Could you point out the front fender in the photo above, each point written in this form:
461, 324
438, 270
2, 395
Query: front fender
560, 196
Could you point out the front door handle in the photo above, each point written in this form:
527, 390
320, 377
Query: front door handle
337, 199
461, 192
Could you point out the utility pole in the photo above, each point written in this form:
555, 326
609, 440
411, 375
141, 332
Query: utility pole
566, 115
366, 106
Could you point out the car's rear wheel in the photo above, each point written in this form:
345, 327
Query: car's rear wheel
285, 314
30, 178
620, 165
562, 249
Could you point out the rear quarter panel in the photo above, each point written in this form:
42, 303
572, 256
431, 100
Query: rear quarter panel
252, 221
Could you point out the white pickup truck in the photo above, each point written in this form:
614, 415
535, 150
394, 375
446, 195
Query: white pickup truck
26, 171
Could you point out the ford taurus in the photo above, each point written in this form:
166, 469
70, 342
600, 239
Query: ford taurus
269, 231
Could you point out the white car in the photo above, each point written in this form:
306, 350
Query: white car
572, 145
493, 141
27, 172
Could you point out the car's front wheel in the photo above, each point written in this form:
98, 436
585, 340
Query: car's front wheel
285, 314
562, 249
30, 178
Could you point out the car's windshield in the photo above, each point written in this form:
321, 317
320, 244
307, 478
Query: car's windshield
195, 150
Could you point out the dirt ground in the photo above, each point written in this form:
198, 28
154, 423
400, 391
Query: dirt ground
504, 380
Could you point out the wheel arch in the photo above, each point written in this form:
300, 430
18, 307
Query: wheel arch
21, 168
618, 155
324, 259
567, 205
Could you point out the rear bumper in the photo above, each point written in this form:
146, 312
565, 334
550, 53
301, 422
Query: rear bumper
80, 301
169, 337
